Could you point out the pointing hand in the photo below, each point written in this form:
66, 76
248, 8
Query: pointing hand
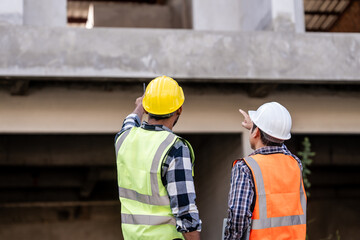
138, 101
247, 123
139, 110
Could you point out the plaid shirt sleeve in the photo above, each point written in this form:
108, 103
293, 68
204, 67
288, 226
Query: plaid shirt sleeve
178, 180
132, 120
241, 198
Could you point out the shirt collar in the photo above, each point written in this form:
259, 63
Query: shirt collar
276, 149
157, 127
269, 150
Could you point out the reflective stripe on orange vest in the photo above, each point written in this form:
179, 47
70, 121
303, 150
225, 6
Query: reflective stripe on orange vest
280, 208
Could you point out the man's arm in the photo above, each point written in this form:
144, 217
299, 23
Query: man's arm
139, 110
133, 119
240, 200
178, 181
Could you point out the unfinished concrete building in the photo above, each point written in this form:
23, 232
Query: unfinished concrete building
70, 72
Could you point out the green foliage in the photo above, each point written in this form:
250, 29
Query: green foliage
338, 237
306, 160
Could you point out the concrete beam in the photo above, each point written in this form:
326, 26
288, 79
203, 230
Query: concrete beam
57, 110
184, 54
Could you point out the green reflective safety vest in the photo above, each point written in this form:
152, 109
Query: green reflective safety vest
145, 205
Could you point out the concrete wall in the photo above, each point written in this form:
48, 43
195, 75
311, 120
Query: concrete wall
11, 12
40, 185
334, 218
334, 178
45, 13
216, 15
61, 223
257, 15
335, 186
52, 207
288, 16
185, 54
214, 156
49, 150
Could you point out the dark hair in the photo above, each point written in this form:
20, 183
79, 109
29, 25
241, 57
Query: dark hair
160, 117
265, 137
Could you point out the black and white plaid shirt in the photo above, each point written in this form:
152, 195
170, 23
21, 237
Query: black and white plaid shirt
176, 177
242, 193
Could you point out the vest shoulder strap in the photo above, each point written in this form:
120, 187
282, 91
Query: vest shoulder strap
121, 139
192, 154
236, 161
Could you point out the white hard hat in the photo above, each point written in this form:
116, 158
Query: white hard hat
273, 119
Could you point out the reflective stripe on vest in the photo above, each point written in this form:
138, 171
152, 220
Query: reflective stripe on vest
155, 198
146, 219
120, 141
263, 221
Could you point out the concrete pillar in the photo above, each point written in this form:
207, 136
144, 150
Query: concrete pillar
299, 16
254, 15
215, 15
45, 12
181, 13
246, 148
288, 15
11, 12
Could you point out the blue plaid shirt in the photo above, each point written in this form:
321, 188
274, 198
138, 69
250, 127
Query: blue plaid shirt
242, 193
176, 177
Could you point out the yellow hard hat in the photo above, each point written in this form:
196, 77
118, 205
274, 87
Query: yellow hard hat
163, 96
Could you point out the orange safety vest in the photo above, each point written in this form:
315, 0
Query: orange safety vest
280, 206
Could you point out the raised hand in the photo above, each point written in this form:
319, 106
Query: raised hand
139, 110
247, 123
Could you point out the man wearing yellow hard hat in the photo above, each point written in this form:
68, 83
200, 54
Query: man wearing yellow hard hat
155, 169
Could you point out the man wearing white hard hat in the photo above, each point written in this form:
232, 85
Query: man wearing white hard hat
267, 198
